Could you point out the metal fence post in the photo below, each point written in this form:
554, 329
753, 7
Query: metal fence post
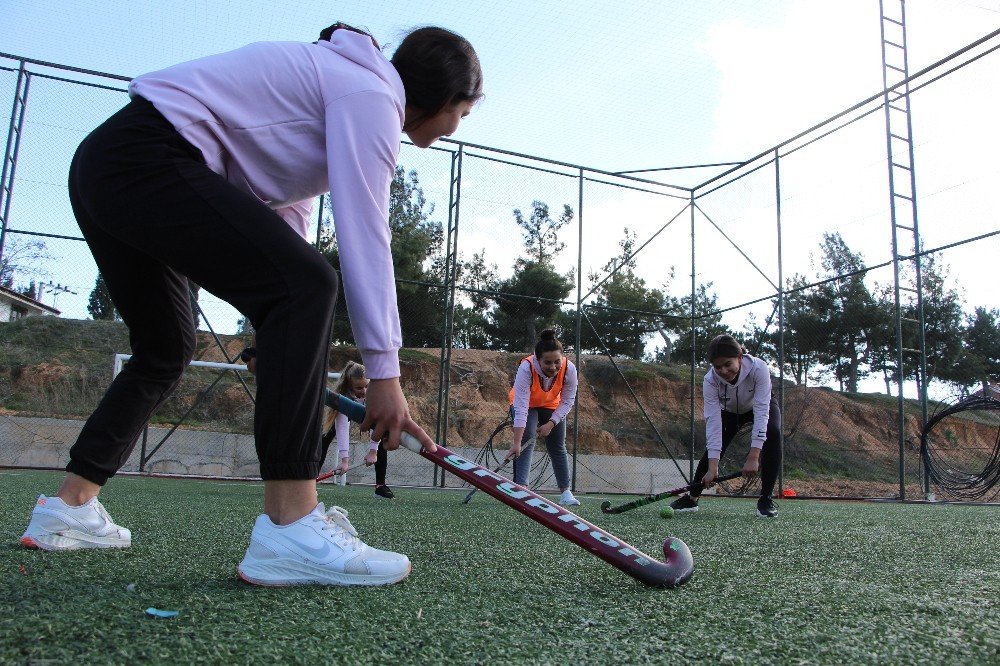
579, 322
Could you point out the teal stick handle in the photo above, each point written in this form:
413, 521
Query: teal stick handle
355, 411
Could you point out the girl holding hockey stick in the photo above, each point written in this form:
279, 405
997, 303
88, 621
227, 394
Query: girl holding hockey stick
543, 394
737, 390
230, 151
353, 384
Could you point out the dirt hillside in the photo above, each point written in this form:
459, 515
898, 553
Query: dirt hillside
846, 443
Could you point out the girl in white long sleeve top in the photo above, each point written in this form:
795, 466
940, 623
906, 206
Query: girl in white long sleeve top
543, 394
737, 390
353, 384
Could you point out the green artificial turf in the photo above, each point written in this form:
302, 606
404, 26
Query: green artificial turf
851, 583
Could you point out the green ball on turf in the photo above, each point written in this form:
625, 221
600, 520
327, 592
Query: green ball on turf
667, 512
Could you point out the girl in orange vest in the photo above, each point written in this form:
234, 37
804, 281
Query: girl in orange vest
543, 393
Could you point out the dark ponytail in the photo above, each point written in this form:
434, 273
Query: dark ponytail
437, 67
547, 342
327, 32
724, 346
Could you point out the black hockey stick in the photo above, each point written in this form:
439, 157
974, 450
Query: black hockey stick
649, 499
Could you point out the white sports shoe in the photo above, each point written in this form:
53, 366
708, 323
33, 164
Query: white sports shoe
322, 548
57, 526
567, 499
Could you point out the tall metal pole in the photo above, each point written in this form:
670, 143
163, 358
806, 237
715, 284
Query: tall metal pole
917, 258
451, 271
781, 320
579, 320
897, 105
442, 368
319, 221
694, 340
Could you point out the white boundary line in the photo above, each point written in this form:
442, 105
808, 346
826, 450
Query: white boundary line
238, 367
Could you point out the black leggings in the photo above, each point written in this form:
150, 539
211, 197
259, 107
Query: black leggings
381, 458
381, 465
770, 455
154, 215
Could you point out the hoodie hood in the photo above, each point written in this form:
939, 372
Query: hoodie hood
359, 49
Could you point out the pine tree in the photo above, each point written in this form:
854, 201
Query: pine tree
416, 238
100, 305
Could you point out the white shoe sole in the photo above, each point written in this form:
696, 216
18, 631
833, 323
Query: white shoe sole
693, 509
764, 515
281, 573
71, 540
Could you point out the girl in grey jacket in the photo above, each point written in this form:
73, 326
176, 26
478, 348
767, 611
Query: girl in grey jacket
737, 390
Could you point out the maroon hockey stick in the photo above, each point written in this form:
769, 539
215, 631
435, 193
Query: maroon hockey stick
675, 571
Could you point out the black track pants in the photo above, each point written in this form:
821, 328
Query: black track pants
154, 215
381, 465
770, 455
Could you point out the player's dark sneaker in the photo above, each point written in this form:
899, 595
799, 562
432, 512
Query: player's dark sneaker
766, 508
384, 492
684, 503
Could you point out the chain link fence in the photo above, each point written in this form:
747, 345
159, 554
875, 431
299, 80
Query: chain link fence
784, 251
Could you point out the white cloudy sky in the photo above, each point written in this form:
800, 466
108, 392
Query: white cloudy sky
637, 84
609, 84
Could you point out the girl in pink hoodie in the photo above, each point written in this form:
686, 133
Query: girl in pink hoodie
209, 174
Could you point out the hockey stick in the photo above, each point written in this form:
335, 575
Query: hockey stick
654, 573
473, 491
489, 443
336, 472
649, 499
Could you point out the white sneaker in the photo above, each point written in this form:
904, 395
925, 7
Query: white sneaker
567, 499
57, 526
322, 548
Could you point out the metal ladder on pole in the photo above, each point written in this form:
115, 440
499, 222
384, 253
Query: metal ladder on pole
908, 285
14, 132
450, 282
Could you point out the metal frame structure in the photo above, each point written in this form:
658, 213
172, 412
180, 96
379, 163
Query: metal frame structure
893, 100
14, 134
451, 282
903, 206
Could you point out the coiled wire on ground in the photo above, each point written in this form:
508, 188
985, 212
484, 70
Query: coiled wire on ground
947, 474
489, 457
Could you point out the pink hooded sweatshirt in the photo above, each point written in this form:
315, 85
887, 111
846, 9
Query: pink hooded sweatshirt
288, 121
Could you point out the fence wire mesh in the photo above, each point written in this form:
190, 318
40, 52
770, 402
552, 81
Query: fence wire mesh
791, 252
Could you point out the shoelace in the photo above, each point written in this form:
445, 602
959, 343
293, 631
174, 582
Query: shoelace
340, 527
103, 513
109, 525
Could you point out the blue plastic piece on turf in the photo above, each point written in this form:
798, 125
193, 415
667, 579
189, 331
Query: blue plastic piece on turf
156, 612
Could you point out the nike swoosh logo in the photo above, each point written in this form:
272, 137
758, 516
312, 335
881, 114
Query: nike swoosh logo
319, 554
